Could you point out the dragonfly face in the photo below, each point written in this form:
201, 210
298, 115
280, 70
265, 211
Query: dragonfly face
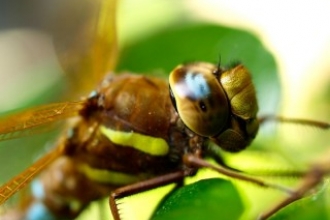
216, 103
200, 98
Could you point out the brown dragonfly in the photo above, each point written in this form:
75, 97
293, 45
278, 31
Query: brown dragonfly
133, 133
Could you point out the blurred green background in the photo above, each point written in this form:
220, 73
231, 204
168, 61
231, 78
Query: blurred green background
154, 37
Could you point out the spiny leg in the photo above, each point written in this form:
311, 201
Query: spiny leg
144, 186
196, 162
255, 172
311, 179
193, 161
312, 123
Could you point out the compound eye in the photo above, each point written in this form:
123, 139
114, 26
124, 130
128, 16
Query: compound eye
199, 98
172, 97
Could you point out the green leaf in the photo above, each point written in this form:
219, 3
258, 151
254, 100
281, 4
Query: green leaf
206, 199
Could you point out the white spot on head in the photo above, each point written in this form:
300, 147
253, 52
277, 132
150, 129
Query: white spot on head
197, 85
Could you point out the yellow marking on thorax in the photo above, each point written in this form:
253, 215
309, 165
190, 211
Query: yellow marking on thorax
147, 144
110, 177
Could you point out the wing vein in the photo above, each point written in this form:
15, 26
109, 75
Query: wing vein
34, 120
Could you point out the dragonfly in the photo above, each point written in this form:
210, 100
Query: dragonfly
162, 126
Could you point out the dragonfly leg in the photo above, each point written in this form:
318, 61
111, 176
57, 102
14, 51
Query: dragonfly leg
142, 186
311, 179
193, 161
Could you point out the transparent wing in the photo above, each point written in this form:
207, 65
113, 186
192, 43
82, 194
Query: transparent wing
84, 35
18, 182
34, 120
87, 46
